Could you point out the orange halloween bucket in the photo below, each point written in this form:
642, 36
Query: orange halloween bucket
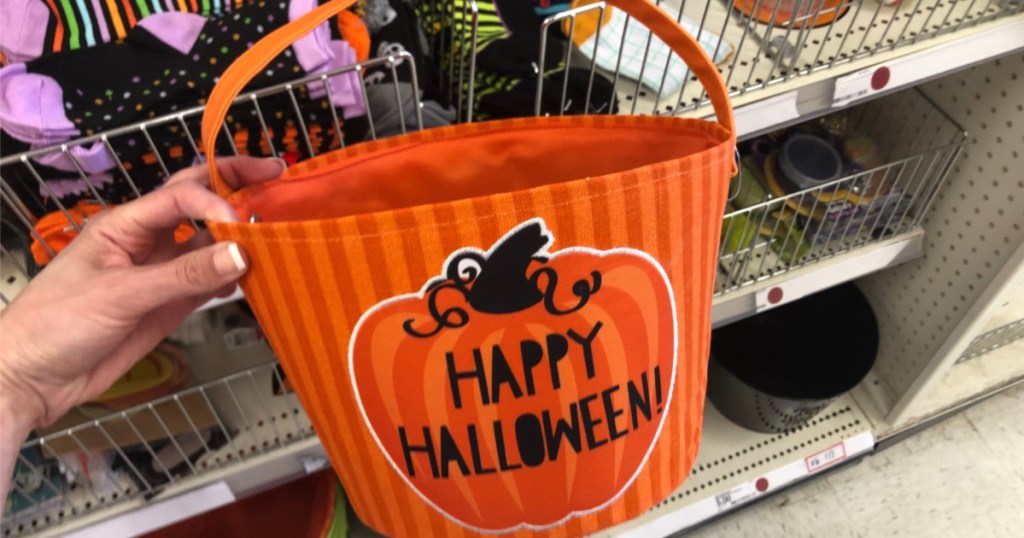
500, 327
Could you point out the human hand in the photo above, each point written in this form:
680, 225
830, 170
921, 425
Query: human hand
117, 290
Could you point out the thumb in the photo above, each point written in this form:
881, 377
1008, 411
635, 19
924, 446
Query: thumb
200, 272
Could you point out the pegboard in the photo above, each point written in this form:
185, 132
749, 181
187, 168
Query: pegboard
972, 230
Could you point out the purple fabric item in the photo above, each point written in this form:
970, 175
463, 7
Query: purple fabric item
93, 158
345, 91
311, 50
317, 53
74, 187
179, 30
23, 29
33, 107
33, 112
104, 32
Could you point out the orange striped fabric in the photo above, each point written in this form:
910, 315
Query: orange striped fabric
313, 279
501, 327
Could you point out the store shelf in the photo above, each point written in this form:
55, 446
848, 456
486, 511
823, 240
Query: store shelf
278, 445
270, 439
824, 274
252, 438
831, 87
779, 74
195, 496
273, 443
736, 466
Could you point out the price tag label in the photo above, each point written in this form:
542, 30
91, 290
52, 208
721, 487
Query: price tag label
860, 84
767, 113
737, 495
830, 456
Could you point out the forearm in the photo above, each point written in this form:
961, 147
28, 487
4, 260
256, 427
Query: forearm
15, 425
19, 405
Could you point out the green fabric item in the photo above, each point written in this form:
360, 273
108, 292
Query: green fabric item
339, 522
787, 239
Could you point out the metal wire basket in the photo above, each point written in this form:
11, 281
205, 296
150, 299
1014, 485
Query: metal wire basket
774, 233
752, 52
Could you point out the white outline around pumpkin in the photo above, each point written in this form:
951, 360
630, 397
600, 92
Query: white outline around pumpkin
420, 295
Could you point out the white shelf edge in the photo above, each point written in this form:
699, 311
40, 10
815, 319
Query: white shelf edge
744, 493
218, 488
736, 466
824, 274
195, 495
811, 95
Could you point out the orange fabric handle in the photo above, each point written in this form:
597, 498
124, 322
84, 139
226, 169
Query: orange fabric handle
264, 51
665, 27
247, 66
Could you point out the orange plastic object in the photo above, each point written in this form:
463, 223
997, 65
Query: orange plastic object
57, 231
586, 24
807, 13
500, 327
354, 32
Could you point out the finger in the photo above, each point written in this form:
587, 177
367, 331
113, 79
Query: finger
226, 291
241, 171
168, 249
168, 206
236, 171
201, 272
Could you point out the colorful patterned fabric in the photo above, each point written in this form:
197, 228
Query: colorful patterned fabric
31, 28
77, 24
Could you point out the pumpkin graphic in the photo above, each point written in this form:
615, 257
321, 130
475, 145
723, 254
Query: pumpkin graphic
520, 388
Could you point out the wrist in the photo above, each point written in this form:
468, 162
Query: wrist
21, 404
16, 423
14, 414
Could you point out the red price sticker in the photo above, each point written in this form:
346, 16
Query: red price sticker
830, 456
860, 84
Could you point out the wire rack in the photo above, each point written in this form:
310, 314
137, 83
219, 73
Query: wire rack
230, 417
227, 419
124, 163
771, 234
751, 52
137, 453
993, 340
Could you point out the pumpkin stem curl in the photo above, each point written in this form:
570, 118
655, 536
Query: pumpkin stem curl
581, 288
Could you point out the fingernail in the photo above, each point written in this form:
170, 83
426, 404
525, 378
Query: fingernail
283, 163
224, 215
221, 211
229, 259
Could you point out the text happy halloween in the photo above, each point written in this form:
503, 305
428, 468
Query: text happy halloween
531, 439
